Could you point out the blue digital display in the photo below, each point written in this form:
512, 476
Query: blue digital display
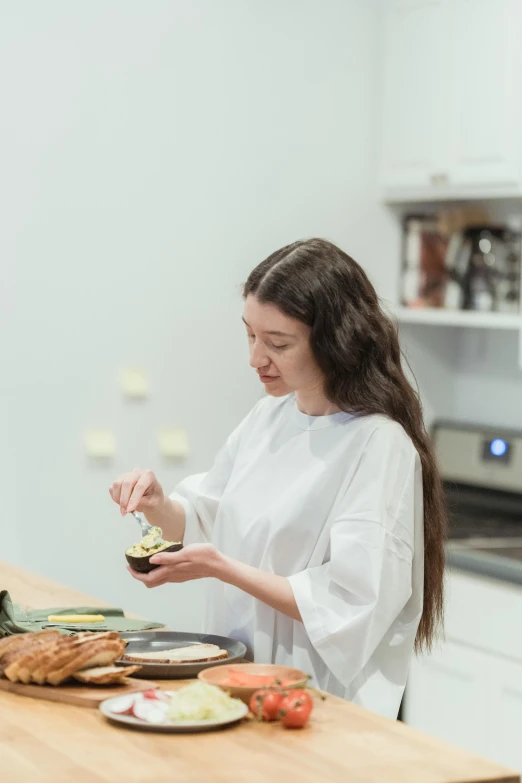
498, 447
497, 450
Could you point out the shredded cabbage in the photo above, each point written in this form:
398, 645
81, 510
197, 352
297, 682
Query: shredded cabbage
201, 701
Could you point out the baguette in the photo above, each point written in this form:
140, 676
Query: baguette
21, 646
100, 651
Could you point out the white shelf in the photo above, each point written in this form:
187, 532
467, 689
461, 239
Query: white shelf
462, 318
415, 196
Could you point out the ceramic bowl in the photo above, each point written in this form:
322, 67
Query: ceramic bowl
218, 675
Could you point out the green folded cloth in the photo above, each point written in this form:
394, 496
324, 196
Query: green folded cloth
14, 619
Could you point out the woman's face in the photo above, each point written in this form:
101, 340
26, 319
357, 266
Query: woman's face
280, 350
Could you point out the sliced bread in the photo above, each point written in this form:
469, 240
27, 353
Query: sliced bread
105, 675
195, 653
85, 657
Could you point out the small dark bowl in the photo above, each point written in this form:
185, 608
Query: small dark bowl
143, 564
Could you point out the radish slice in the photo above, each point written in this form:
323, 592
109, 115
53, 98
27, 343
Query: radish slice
150, 711
124, 705
155, 695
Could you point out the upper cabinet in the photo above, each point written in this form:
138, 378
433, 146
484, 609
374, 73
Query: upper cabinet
452, 99
413, 95
485, 91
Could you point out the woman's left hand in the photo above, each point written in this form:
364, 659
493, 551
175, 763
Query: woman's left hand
198, 561
195, 561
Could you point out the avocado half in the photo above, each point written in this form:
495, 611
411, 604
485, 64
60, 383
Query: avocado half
143, 564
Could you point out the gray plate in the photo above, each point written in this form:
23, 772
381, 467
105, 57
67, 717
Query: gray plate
154, 641
182, 727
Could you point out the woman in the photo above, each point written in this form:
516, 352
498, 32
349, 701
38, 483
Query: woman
322, 519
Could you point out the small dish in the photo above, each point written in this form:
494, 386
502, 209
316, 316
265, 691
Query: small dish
170, 727
218, 675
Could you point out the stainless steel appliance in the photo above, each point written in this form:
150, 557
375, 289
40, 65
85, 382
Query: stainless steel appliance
482, 471
490, 276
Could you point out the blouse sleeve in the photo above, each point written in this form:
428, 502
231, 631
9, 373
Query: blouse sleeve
349, 603
200, 494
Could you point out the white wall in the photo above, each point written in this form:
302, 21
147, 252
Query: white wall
467, 375
152, 154
432, 358
488, 384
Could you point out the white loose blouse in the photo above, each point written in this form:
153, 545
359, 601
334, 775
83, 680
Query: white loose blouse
334, 504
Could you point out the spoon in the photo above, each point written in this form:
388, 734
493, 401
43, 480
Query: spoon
145, 527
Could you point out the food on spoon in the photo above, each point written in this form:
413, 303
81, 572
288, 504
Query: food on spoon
138, 556
195, 653
149, 543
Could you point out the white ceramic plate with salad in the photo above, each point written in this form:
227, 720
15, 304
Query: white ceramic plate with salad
196, 707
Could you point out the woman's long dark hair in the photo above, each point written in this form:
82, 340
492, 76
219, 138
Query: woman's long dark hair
356, 346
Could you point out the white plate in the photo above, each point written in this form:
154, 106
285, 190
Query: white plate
170, 727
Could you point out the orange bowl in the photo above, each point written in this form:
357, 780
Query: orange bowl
218, 675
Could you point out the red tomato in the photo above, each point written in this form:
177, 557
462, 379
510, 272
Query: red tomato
265, 703
295, 709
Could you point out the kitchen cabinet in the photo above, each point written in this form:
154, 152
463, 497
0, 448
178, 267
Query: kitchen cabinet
485, 92
470, 698
452, 95
506, 711
444, 687
469, 690
413, 98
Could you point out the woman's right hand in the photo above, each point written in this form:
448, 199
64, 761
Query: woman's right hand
139, 490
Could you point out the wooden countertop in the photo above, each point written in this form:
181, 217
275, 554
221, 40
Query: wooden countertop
45, 741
